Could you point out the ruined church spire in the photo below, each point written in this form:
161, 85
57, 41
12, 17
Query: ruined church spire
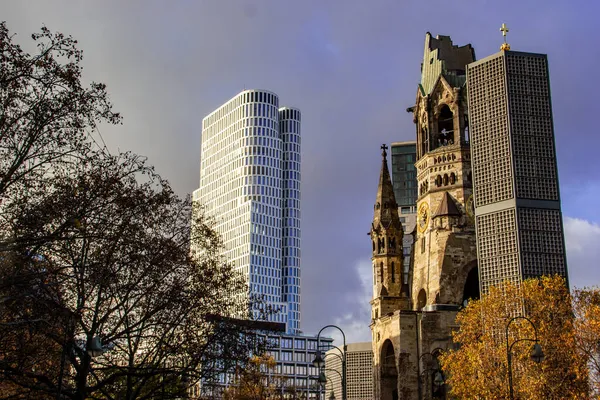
386, 208
389, 291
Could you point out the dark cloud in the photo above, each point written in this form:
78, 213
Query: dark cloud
351, 67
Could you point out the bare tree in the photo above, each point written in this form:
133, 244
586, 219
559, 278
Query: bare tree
100, 295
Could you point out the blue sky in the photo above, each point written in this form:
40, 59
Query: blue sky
352, 68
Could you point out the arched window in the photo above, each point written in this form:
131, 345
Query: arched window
438, 181
421, 300
445, 179
381, 272
388, 370
373, 246
471, 288
452, 178
393, 272
445, 134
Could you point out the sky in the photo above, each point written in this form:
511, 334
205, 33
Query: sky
352, 68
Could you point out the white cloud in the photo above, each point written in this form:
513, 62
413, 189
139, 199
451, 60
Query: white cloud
583, 251
356, 319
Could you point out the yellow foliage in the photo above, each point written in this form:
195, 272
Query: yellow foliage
259, 381
479, 368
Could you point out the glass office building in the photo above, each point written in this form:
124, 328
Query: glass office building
250, 183
404, 181
294, 370
404, 175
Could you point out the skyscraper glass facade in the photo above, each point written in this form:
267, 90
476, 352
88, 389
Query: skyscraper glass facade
404, 174
250, 183
404, 181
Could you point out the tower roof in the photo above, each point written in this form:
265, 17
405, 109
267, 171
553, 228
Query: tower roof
442, 57
447, 207
386, 208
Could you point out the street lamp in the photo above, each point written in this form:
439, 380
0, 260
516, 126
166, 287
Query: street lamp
537, 354
319, 360
322, 379
94, 349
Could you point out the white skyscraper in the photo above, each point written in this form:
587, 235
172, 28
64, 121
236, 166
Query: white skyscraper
250, 183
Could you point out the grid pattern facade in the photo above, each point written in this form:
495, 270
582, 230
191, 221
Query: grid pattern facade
289, 126
531, 127
541, 240
404, 173
490, 142
250, 183
498, 257
293, 355
404, 181
518, 217
359, 372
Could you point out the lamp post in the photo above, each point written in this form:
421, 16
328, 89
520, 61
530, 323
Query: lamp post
537, 354
323, 380
94, 349
319, 361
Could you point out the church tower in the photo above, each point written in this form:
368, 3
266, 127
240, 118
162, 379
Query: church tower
411, 324
390, 294
445, 246
389, 291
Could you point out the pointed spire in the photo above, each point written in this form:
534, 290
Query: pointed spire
386, 208
447, 207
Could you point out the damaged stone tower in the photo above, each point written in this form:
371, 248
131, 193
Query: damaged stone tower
412, 323
483, 128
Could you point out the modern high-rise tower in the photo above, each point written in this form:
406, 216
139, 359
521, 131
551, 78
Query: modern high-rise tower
517, 202
250, 184
404, 180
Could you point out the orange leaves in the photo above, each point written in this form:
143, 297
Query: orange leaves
479, 368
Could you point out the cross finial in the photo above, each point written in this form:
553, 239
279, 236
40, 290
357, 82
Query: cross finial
384, 148
504, 30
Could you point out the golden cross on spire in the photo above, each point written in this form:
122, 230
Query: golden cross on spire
504, 30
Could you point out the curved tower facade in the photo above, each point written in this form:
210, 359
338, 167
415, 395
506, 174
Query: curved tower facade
289, 128
250, 183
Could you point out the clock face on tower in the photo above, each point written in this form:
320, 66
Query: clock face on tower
423, 217
470, 207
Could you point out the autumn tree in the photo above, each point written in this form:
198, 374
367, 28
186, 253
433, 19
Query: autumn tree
259, 380
479, 368
586, 309
109, 282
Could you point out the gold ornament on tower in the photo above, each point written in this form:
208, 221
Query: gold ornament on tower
504, 30
423, 217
